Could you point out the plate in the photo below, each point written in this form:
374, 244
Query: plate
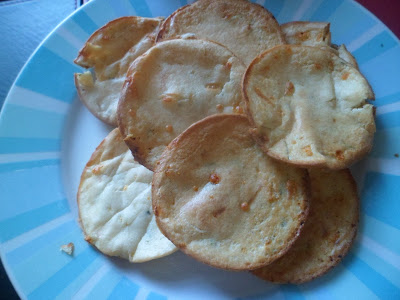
46, 137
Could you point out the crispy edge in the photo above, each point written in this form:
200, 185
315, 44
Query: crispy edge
108, 121
81, 58
261, 140
131, 141
339, 255
317, 25
94, 159
122, 114
160, 168
164, 28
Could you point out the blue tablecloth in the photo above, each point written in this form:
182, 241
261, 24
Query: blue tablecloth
23, 25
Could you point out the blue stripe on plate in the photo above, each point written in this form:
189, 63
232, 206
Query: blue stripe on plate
17, 166
105, 286
57, 282
311, 7
291, 292
25, 145
378, 264
385, 146
124, 289
48, 252
122, 8
264, 290
141, 8
372, 279
375, 47
50, 75
382, 233
336, 283
70, 291
356, 19
325, 10
155, 296
61, 47
287, 11
183, 2
97, 12
76, 30
388, 99
12, 227
26, 189
32, 247
163, 8
384, 72
389, 120
20, 121
85, 22
274, 7
380, 198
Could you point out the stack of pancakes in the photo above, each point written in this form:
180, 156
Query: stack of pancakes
233, 139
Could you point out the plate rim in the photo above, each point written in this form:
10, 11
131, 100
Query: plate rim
25, 68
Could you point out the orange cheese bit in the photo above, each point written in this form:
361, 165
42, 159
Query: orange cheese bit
131, 112
97, 170
169, 128
214, 178
238, 110
220, 107
213, 85
244, 206
308, 151
289, 89
339, 155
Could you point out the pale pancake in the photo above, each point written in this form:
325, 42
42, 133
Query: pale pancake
315, 34
328, 232
221, 200
114, 202
173, 85
309, 107
245, 28
109, 51
347, 56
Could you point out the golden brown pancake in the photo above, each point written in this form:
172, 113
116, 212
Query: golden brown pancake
173, 85
221, 200
245, 28
328, 233
109, 51
308, 107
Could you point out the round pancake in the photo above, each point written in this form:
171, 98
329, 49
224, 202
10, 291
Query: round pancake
221, 200
114, 202
315, 34
109, 51
309, 107
328, 233
173, 85
244, 27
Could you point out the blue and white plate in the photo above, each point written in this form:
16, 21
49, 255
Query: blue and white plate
46, 137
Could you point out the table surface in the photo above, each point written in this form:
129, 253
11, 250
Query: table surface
385, 10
